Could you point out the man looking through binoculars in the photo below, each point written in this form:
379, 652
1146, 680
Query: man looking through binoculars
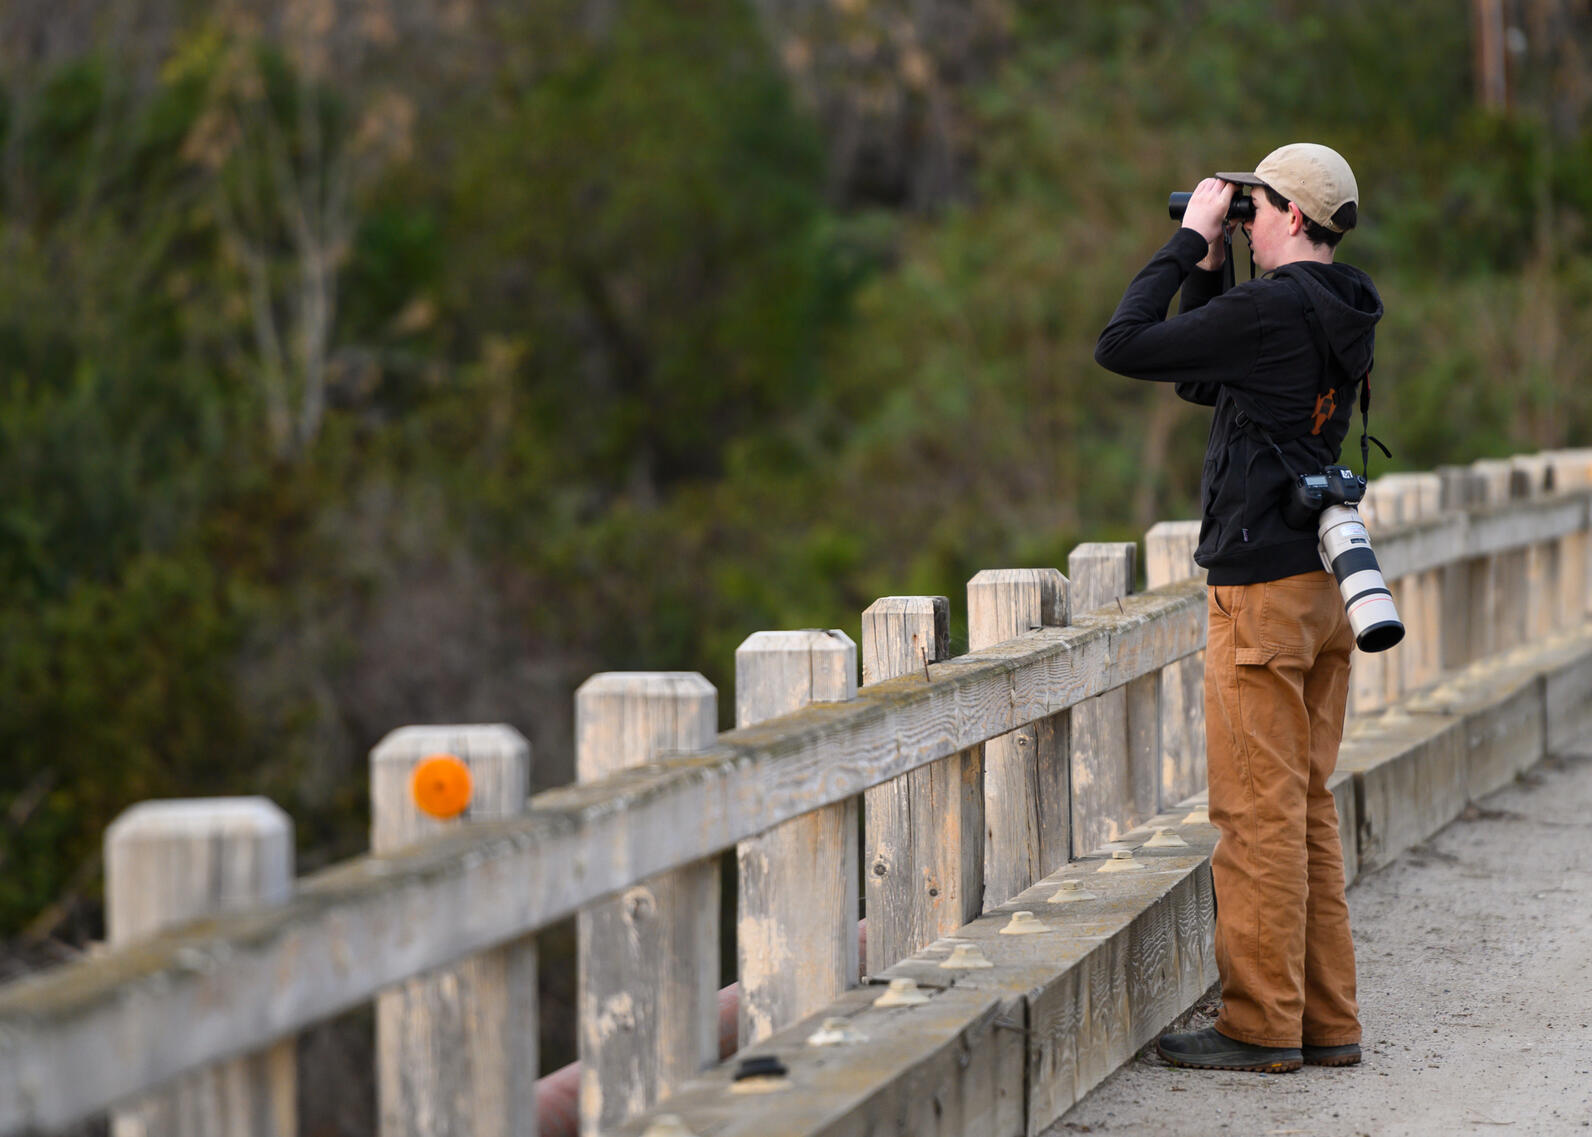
1279, 358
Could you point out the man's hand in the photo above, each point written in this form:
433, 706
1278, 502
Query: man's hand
1207, 215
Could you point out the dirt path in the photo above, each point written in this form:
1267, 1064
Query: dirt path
1475, 966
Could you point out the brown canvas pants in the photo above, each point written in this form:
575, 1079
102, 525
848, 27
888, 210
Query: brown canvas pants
1276, 685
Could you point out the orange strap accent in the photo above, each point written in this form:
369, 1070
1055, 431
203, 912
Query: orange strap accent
1326, 407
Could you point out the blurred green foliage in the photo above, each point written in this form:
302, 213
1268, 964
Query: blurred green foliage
596, 346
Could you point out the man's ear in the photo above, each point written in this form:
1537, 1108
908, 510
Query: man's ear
1296, 220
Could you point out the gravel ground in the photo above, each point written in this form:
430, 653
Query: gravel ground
1475, 969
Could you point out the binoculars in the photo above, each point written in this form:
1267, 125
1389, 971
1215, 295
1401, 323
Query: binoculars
1241, 209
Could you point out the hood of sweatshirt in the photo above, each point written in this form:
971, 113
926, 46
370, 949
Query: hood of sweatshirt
1346, 304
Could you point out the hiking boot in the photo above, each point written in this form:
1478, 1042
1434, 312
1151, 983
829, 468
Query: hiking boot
1210, 1049
1346, 1055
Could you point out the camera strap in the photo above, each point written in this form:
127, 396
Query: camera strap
1247, 423
1366, 437
1229, 270
1326, 392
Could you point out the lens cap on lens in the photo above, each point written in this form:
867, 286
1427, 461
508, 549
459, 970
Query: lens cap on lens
1380, 637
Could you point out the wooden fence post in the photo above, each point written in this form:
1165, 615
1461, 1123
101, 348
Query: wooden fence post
1169, 558
1457, 493
1572, 472
925, 829
1481, 573
797, 928
1026, 800
456, 1051
649, 958
1497, 581
1372, 676
168, 862
1115, 736
1419, 657
1534, 477
1457, 490
1401, 659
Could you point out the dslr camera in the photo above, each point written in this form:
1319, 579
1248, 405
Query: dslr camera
1311, 493
1326, 503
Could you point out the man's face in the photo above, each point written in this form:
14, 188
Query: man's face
1267, 231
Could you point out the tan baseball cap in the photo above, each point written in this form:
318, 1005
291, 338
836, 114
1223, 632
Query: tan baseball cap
1313, 177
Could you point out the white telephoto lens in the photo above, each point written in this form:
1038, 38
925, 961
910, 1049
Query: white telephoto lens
1346, 551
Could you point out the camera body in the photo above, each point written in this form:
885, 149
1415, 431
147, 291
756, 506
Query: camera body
1241, 209
1312, 493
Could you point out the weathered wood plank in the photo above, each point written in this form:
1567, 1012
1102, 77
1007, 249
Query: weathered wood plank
1168, 558
649, 959
1533, 478
1424, 625
1066, 1008
903, 633
1026, 816
925, 829
1487, 530
796, 932
1113, 785
1372, 674
1111, 974
1491, 486
1456, 495
1572, 472
1505, 724
1567, 701
168, 862
1511, 604
453, 1049
1393, 501
1481, 560
1376, 679
1144, 745
1412, 776
947, 1068
1488, 487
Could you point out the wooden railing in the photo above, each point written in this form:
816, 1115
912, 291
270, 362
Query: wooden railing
1076, 717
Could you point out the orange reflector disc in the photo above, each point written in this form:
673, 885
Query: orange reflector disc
441, 786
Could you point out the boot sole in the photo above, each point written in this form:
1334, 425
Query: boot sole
1337, 1060
1283, 1066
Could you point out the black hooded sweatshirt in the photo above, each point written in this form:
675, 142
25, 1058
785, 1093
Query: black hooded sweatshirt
1251, 353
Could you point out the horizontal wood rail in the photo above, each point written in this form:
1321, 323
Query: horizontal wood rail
1421, 546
